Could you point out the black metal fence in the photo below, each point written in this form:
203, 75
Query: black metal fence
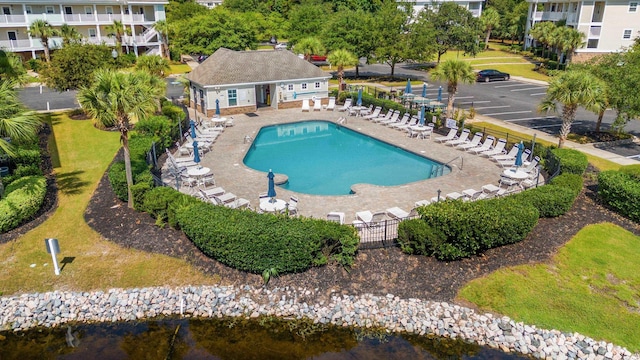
381, 234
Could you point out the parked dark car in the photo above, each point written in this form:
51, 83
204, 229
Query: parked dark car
490, 74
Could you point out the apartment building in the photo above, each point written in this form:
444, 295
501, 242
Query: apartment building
209, 3
475, 7
90, 18
609, 25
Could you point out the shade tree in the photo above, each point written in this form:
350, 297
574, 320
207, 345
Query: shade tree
454, 73
42, 30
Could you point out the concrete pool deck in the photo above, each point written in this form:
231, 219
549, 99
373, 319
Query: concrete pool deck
228, 151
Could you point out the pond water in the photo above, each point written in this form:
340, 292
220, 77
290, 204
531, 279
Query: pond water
230, 338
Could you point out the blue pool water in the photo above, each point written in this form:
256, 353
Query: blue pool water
322, 158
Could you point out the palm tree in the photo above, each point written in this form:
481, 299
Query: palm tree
44, 31
119, 99
453, 72
572, 89
118, 30
69, 34
16, 122
542, 32
490, 20
152, 64
309, 46
342, 58
12, 69
162, 28
571, 39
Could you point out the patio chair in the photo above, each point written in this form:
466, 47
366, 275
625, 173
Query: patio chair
208, 180
405, 119
394, 118
332, 104
422, 203
374, 114
508, 163
397, 213
188, 181
477, 137
511, 155
292, 206
305, 105
450, 136
346, 106
412, 122
238, 203
497, 150
229, 122
486, 145
366, 111
463, 138
317, 105
384, 117
336, 217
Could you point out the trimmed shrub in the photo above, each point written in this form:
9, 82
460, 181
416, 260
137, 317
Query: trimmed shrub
620, 190
143, 182
157, 127
157, 202
416, 237
118, 177
571, 161
368, 100
571, 181
26, 157
173, 112
254, 242
550, 200
22, 199
472, 227
633, 170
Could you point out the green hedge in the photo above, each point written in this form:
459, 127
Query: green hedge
162, 203
254, 242
568, 180
159, 128
416, 237
620, 190
472, 227
550, 200
571, 161
369, 100
138, 148
21, 200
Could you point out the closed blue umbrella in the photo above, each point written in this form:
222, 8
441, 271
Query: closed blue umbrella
518, 161
359, 102
424, 90
196, 153
192, 124
407, 90
422, 116
440, 94
217, 108
272, 189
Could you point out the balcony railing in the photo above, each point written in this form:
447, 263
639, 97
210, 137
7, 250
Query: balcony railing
12, 19
571, 18
17, 45
109, 17
79, 18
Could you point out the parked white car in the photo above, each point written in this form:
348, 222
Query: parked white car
281, 46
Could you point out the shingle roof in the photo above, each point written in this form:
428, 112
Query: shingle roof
245, 67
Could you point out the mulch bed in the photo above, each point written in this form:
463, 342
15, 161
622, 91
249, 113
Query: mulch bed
380, 271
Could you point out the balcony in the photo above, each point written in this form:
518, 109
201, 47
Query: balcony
571, 18
12, 19
109, 18
79, 18
98, 41
17, 45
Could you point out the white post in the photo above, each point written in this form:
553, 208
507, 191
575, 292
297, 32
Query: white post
40, 89
53, 247
48, 107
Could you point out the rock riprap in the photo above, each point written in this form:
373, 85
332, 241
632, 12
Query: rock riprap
415, 316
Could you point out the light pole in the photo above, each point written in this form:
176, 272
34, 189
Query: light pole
114, 54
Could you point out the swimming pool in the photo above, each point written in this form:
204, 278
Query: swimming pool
323, 158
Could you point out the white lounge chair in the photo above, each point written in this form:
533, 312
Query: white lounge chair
368, 219
413, 121
454, 196
450, 136
375, 114
397, 213
477, 137
497, 150
292, 206
511, 155
394, 118
317, 105
422, 203
332, 104
238, 203
463, 138
384, 117
405, 119
510, 162
336, 217
486, 145
471, 194
346, 106
305, 105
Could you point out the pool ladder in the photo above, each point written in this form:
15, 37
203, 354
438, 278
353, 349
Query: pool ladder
439, 170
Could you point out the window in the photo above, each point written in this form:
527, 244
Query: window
633, 7
6, 10
592, 44
92, 33
49, 9
108, 9
289, 87
303, 86
233, 97
317, 85
626, 35
67, 10
88, 10
28, 9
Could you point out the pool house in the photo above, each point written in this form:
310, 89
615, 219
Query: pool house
240, 82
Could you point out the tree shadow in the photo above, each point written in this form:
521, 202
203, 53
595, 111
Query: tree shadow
51, 141
70, 183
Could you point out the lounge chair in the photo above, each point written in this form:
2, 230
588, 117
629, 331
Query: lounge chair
238, 203
450, 136
346, 106
292, 206
511, 155
336, 217
405, 119
510, 162
375, 114
477, 137
498, 149
397, 213
463, 138
422, 203
368, 219
384, 117
454, 196
332, 104
413, 121
225, 198
305, 105
486, 145
471, 194
211, 193
317, 105
394, 118
367, 111
530, 166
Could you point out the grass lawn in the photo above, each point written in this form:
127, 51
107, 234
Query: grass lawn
513, 64
178, 69
81, 154
591, 286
